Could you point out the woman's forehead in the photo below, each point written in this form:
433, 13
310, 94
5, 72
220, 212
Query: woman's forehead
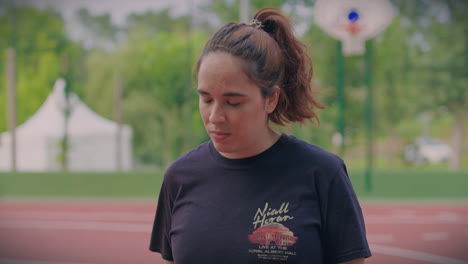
220, 69
220, 62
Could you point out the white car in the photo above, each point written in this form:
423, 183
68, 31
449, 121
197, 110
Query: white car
426, 149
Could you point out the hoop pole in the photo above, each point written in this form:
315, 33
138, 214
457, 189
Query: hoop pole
244, 11
369, 117
11, 103
65, 144
118, 90
340, 94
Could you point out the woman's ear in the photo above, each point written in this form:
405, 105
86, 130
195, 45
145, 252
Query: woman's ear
272, 100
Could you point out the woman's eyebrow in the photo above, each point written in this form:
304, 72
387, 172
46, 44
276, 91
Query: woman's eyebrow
200, 91
233, 94
230, 94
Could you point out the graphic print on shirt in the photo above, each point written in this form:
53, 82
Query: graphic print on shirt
272, 237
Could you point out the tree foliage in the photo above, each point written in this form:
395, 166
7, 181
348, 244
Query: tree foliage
40, 44
419, 65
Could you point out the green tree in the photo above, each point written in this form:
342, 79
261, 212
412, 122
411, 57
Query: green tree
39, 38
100, 31
393, 89
445, 61
438, 67
155, 61
148, 23
228, 11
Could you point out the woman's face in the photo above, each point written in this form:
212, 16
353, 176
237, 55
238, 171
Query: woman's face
233, 110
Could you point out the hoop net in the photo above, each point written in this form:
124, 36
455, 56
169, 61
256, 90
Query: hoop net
353, 42
354, 46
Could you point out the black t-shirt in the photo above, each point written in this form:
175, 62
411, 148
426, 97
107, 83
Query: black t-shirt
292, 203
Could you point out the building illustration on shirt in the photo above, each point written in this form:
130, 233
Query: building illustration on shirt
273, 233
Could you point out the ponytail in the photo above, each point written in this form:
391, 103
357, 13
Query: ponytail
275, 57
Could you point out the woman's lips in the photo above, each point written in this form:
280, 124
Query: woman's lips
219, 136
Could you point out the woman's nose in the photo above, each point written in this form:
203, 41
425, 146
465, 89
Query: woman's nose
217, 114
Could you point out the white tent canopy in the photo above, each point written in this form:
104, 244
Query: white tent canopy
92, 139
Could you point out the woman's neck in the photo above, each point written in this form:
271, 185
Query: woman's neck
264, 142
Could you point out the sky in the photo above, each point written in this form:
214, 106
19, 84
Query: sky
118, 9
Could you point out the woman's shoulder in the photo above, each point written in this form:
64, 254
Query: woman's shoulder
194, 154
306, 153
190, 160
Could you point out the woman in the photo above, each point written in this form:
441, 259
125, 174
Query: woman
252, 194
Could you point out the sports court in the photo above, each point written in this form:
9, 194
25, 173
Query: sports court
109, 232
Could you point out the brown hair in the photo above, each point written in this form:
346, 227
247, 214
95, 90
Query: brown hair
272, 56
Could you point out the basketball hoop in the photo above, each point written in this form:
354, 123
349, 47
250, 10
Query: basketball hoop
353, 21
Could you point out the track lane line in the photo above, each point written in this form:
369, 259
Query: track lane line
415, 255
76, 225
15, 261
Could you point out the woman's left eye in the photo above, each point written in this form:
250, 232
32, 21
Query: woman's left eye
233, 104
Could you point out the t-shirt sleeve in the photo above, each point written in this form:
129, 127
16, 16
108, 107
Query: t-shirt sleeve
160, 239
343, 230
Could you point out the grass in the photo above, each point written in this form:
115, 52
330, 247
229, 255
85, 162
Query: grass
412, 184
358, 162
386, 184
81, 185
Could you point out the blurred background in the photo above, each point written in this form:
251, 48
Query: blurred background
104, 72
97, 98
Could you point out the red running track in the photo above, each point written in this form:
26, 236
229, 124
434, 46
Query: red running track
113, 232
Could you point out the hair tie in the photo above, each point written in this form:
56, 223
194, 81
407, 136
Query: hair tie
255, 22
